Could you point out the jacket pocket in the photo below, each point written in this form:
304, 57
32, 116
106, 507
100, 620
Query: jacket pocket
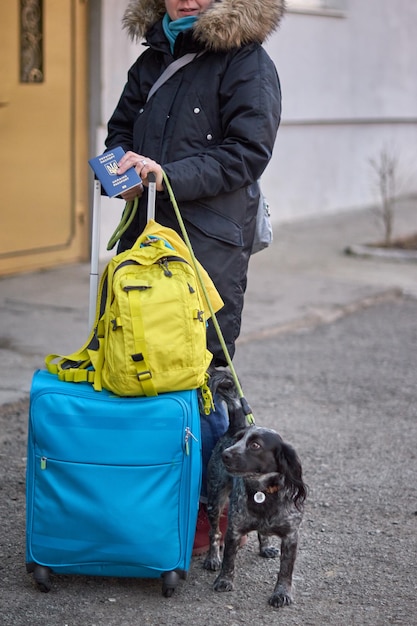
212, 223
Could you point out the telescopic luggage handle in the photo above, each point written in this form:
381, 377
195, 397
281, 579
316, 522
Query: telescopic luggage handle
95, 245
95, 236
151, 196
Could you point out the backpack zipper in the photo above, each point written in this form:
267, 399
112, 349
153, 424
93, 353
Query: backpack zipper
163, 262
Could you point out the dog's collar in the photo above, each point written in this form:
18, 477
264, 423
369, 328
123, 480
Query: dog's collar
260, 496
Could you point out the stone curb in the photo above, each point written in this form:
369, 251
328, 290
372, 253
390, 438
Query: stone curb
322, 316
394, 254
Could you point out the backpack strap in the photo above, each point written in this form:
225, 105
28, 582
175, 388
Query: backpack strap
170, 71
128, 215
77, 367
140, 358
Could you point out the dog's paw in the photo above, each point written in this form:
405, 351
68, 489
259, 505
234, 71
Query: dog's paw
269, 552
223, 584
212, 563
281, 597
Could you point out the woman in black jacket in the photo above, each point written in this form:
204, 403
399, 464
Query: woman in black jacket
211, 127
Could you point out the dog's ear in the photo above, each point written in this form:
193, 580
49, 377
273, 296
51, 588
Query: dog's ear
290, 466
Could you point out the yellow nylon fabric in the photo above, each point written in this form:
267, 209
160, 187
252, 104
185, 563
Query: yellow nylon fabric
150, 336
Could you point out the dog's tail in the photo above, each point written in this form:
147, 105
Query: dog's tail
221, 383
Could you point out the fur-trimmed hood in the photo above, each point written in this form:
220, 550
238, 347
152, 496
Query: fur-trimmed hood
225, 25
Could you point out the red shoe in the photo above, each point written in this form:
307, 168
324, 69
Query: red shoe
201, 539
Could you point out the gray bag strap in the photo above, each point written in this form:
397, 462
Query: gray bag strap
170, 71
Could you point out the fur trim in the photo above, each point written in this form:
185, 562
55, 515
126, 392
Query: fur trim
226, 24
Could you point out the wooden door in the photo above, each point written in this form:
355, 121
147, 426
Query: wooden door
43, 134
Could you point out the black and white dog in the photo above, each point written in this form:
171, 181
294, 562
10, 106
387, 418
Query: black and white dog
261, 476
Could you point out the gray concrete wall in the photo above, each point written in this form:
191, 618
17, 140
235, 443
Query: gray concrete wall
349, 91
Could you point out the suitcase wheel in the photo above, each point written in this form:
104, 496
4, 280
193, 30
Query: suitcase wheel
40, 576
170, 581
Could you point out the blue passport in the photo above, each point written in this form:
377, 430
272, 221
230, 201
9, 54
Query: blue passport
105, 168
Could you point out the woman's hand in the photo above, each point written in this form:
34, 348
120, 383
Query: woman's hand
143, 166
132, 193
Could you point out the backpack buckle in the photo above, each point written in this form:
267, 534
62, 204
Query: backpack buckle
146, 375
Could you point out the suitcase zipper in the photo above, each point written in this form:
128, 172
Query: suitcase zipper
188, 434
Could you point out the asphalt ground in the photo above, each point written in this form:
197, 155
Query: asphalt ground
344, 394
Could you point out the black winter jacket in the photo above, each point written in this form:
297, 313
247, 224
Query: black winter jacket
212, 127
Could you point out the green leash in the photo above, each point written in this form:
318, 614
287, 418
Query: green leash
244, 403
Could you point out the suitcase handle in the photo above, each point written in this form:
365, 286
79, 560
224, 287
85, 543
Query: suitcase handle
128, 214
95, 244
151, 195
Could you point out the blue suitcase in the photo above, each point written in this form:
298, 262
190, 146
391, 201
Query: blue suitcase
113, 484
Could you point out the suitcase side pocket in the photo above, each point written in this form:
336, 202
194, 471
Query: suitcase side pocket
88, 515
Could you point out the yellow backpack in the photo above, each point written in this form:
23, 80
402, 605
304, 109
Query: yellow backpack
149, 334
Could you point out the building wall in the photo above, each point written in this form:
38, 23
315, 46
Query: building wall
349, 92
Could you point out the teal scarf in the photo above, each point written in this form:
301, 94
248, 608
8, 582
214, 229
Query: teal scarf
172, 28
